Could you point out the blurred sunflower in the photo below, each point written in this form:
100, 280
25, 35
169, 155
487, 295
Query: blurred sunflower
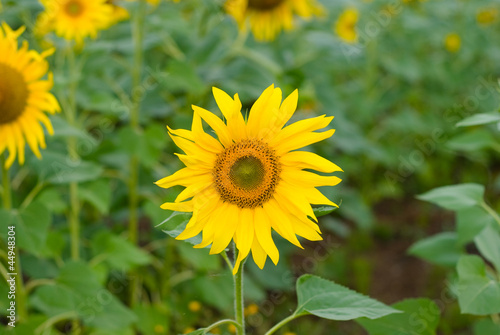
119, 13
487, 16
74, 19
345, 26
268, 17
452, 42
23, 96
251, 179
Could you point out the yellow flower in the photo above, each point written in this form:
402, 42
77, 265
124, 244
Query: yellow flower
251, 309
194, 306
345, 27
452, 42
251, 179
74, 19
487, 16
24, 96
267, 18
119, 13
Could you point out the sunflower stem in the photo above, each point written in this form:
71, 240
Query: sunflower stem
6, 189
282, 323
138, 37
238, 300
74, 214
491, 212
7, 204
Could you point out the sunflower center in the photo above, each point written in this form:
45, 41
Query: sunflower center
264, 4
13, 94
74, 8
247, 173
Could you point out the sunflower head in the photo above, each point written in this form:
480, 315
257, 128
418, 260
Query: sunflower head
252, 178
24, 96
74, 19
452, 42
345, 27
487, 16
266, 18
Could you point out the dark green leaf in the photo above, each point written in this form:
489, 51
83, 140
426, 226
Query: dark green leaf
98, 193
332, 301
323, 210
176, 223
470, 222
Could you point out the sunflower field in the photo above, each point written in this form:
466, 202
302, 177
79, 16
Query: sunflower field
250, 167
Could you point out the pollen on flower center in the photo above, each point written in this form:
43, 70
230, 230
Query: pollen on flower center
247, 173
74, 8
264, 4
13, 94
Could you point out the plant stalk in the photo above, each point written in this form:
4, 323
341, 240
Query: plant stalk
238, 300
282, 323
138, 38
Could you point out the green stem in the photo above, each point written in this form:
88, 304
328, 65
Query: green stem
491, 212
7, 193
53, 320
74, 214
238, 300
218, 323
228, 262
138, 38
29, 198
282, 323
20, 290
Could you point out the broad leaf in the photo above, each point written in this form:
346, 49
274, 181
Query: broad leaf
421, 317
97, 193
488, 243
477, 293
332, 301
479, 119
440, 249
455, 197
323, 210
32, 224
470, 222
486, 327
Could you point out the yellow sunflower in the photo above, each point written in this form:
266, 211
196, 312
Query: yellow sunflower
251, 179
452, 42
345, 27
74, 19
119, 13
24, 96
268, 17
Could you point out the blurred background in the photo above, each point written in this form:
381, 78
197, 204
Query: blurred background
397, 89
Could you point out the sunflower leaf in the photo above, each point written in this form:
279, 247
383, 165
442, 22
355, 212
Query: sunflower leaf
479, 119
323, 210
332, 301
175, 224
455, 197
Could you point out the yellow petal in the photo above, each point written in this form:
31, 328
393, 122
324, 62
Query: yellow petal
216, 124
264, 234
308, 160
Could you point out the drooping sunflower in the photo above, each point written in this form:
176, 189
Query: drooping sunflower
267, 18
345, 26
251, 179
74, 19
24, 96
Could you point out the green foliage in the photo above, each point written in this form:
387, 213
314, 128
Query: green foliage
440, 249
419, 317
332, 301
455, 197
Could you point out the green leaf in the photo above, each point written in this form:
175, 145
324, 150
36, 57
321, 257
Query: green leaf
472, 141
32, 224
488, 243
150, 319
176, 223
77, 289
58, 168
455, 197
323, 210
477, 293
117, 252
421, 317
97, 193
470, 222
440, 249
479, 119
332, 301
486, 327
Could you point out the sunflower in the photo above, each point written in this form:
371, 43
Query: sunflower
24, 96
119, 13
74, 19
268, 17
345, 27
452, 42
251, 179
